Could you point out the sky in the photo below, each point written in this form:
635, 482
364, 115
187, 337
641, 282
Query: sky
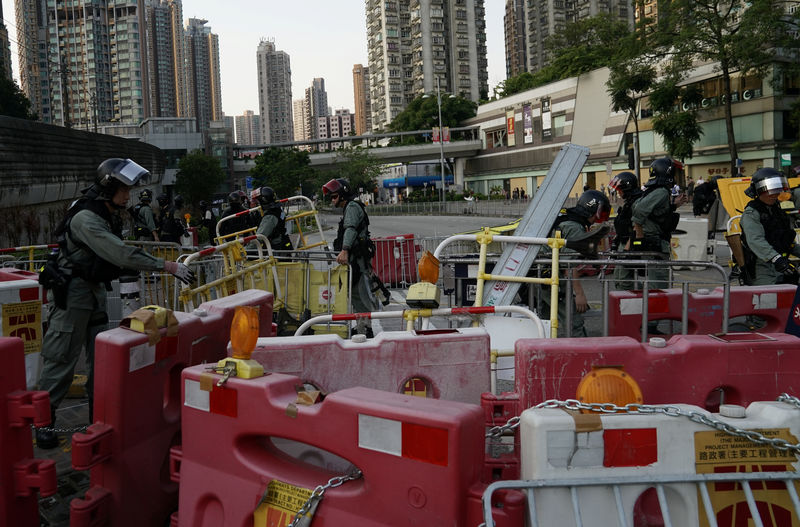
324, 38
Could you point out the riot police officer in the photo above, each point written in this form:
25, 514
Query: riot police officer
355, 248
91, 254
574, 223
767, 232
237, 224
144, 222
626, 185
273, 222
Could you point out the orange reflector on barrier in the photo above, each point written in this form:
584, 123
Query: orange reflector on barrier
608, 385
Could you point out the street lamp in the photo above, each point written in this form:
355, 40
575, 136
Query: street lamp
441, 135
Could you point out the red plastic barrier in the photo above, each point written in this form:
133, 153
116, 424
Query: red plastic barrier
691, 369
395, 259
771, 303
420, 458
137, 414
453, 365
21, 475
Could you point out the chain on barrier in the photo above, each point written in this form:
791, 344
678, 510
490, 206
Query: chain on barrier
669, 410
69, 431
306, 513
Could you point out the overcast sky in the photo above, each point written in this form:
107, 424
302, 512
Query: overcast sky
324, 38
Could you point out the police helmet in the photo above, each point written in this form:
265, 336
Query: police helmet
594, 206
339, 187
178, 201
264, 195
624, 182
769, 180
146, 196
234, 198
163, 199
203, 204
116, 172
663, 171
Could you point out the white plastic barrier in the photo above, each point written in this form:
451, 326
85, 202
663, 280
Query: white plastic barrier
21, 316
693, 245
580, 460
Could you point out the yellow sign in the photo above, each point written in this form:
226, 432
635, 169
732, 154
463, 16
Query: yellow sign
24, 320
719, 452
280, 504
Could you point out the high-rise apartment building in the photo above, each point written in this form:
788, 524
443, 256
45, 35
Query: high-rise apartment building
5, 48
411, 43
316, 104
340, 124
514, 32
528, 24
301, 120
202, 73
361, 99
274, 93
248, 128
165, 58
81, 61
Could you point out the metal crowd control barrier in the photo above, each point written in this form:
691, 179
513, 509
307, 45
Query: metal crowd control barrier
31, 252
617, 485
239, 275
485, 238
295, 220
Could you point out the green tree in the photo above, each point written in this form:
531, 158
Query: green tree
199, 177
745, 36
12, 101
286, 170
360, 168
628, 81
423, 114
678, 126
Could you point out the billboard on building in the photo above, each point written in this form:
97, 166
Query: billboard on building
510, 128
547, 124
527, 124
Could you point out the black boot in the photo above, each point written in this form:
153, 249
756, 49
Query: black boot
46, 439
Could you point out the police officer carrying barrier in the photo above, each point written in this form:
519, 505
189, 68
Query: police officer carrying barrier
767, 232
273, 222
626, 185
144, 221
91, 254
355, 248
654, 218
573, 223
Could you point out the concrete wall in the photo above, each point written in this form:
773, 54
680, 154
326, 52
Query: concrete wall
43, 169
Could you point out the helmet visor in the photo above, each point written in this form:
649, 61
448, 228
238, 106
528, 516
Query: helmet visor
602, 214
130, 173
772, 185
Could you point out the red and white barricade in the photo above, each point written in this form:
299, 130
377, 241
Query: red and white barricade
21, 300
252, 454
452, 365
21, 475
770, 303
737, 368
137, 408
597, 470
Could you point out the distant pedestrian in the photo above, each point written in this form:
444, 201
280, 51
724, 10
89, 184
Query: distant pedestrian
690, 188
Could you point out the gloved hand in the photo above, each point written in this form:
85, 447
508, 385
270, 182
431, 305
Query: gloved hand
783, 265
180, 271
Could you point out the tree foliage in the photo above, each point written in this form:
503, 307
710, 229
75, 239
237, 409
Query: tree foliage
199, 177
583, 46
675, 117
287, 171
13, 102
423, 114
360, 168
744, 36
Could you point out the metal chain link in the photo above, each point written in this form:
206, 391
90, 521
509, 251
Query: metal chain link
318, 492
789, 399
669, 410
61, 430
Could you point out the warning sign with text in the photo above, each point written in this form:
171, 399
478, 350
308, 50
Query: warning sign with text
720, 452
280, 504
24, 320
